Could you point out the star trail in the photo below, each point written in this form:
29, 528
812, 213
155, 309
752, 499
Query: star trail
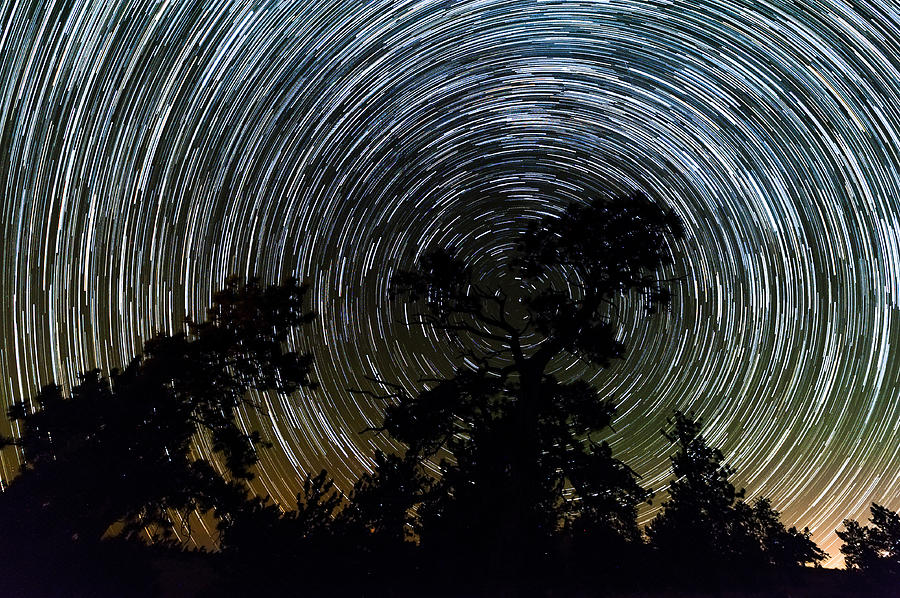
152, 148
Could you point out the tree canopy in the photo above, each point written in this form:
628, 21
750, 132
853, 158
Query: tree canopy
516, 445
697, 517
874, 548
117, 449
704, 521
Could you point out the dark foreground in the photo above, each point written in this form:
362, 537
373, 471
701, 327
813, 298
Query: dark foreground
122, 570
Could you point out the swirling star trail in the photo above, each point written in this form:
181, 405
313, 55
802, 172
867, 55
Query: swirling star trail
151, 148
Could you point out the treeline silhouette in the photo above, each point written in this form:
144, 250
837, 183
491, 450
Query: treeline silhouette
529, 500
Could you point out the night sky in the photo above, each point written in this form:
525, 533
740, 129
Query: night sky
151, 148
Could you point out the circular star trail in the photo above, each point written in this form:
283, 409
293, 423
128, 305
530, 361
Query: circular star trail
152, 148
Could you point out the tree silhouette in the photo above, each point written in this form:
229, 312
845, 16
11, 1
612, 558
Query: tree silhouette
876, 548
703, 525
759, 536
118, 449
514, 443
365, 539
306, 529
261, 540
380, 514
696, 521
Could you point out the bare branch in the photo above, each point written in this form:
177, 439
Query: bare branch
369, 393
384, 383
